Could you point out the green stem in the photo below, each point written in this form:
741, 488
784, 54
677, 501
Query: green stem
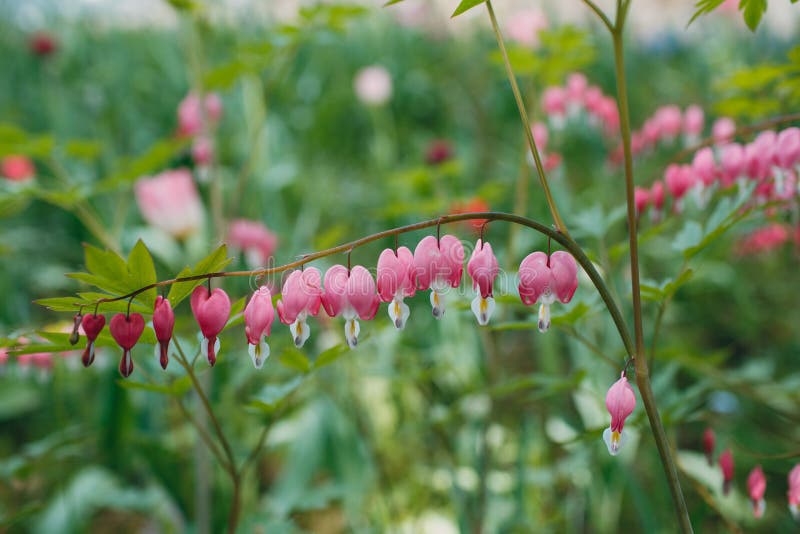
640, 359
526, 125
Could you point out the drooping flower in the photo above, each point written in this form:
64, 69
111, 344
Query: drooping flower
732, 161
203, 151
483, 269
43, 44
793, 495
620, 402
756, 487
547, 279
669, 120
92, 326
126, 330
254, 239
438, 151
194, 115
787, 154
170, 201
300, 298
657, 200
726, 465
352, 295
679, 180
163, 324
641, 199
258, 318
438, 264
709, 442
693, 122
763, 240
373, 85
723, 130
17, 168
211, 310
395, 282
554, 103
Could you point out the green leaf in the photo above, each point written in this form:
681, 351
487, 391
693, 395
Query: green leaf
391, 3
753, 11
214, 262
690, 236
329, 356
466, 5
295, 359
270, 396
704, 7
142, 272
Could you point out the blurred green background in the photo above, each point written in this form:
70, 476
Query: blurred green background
442, 427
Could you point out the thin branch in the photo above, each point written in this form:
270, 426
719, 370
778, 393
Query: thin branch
526, 125
204, 435
560, 238
599, 12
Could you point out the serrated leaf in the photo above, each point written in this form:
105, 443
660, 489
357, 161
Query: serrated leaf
142, 272
466, 5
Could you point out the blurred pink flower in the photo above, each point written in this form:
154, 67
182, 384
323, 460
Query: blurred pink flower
693, 122
669, 119
203, 150
793, 495
439, 151
723, 130
756, 487
726, 465
525, 26
554, 102
17, 168
709, 442
254, 239
641, 199
170, 201
43, 44
373, 85
763, 240
191, 117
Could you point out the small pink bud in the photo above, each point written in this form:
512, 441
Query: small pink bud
126, 330
670, 121
301, 297
732, 161
793, 495
756, 487
75, 335
620, 402
258, 318
726, 465
679, 179
43, 44
92, 326
548, 279
704, 166
593, 99
163, 324
439, 151
351, 294
203, 151
395, 282
437, 265
554, 101
576, 87
483, 269
192, 116
709, 442
211, 310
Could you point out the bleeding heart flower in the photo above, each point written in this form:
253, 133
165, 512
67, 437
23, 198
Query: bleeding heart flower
756, 487
395, 282
679, 180
437, 265
163, 324
709, 441
92, 326
793, 494
258, 318
723, 130
301, 296
657, 199
726, 465
620, 402
549, 279
352, 295
126, 330
483, 269
641, 199
211, 310
693, 122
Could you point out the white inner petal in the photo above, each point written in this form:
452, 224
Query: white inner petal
544, 317
300, 330
258, 353
483, 309
437, 304
614, 441
399, 312
351, 330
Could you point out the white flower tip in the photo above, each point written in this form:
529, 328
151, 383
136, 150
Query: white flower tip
794, 510
258, 353
437, 304
483, 308
300, 332
759, 507
614, 440
351, 331
399, 312
544, 317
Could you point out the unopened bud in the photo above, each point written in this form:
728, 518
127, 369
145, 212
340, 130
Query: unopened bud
74, 337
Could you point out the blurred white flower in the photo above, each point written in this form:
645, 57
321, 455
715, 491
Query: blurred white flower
373, 85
